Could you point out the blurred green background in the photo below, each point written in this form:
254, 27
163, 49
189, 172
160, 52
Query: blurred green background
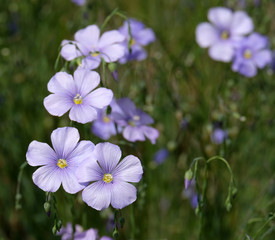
178, 81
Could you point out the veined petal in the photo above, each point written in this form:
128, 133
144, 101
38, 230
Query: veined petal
221, 52
112, 52
90, 62
110, 37
82, 113
97, 195
82, 152
86, 81
151, 133
99, 98
40, 154
133, 134
89, 171
69, 181
64, 141
108, 156
262, 58
206, 35
57, 104
128, 170
220, 17
241, 24
127, 106
123, 194
145, 36
47, 178
62, 83
69, 50
103, 130
88, 36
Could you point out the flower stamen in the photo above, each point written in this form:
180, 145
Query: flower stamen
225, 35
95, 54
107, 178
77, 99
106, 119
247, 54
62, 163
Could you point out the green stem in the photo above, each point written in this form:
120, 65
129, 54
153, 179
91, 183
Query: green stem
107, 19
18, 196
266, 223
133, 225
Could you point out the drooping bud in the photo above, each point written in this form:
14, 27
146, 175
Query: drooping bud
188, 178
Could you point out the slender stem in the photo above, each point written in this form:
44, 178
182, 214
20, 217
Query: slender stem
107, 19
133, 225
18, 196
267, 222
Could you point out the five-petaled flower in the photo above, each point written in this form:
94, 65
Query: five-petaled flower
110, 178
60, 163
92, 47
74, 93
222, 33
140, 36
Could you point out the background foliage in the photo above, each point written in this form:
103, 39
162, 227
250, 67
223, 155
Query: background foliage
178, 81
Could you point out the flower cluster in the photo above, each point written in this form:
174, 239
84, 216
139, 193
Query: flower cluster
227, 40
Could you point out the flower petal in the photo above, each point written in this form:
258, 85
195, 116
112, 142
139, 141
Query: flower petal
108, 156
246, 68
82, 152
47, 178
82, 113
127, 106
88, 36
145, 36
151, 133
86, 81
221, 52
112, 52
57, 104
256, 41
133, 134
97, 195
40, 154
62, 83
64, 141
128, 170
69, 181
109, 38
123, 194
262, 58
90, 62
206, 35
69, 50
220, 17
241, 24
103, 130
99, 98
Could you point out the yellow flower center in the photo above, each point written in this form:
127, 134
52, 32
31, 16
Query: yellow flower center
106, 119
62, 163
225, 35
247, 54
136, 118
132, 42
77, 99
107, 178
94, 54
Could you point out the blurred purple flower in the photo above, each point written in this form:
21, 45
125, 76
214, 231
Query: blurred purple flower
224, 30
92, 47
134, 121
104, 127
79, 2
191, 194
141, 36
110, 177
161, 155
59, 165
74, 94
251, 53
218, 136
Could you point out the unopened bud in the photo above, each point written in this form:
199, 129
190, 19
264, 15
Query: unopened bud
47, 207
188, 178
54, 230
115, 234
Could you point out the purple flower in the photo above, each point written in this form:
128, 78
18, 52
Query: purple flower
250, 54
92, 47
60, 163
79, 2
218, 136
104, 127
161, 155
109, 177
74, 93
141, 36
134, 122
191, 194
224, 30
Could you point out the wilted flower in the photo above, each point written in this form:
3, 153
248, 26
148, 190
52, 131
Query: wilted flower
74, 93
59, 165
224, 30
79, 2
134, 121
161, 155
251, 53
140, 36
218, 136
109, 177
92, 47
